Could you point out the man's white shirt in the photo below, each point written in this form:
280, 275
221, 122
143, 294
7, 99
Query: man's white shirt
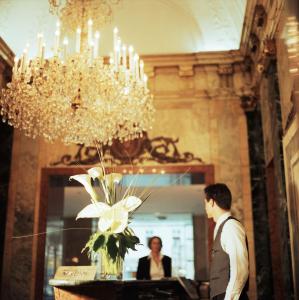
233, 242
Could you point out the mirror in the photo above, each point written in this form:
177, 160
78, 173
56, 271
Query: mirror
174, 211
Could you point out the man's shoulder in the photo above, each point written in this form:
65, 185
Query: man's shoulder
233, 224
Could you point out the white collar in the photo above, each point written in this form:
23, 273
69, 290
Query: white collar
160, 257
222, 218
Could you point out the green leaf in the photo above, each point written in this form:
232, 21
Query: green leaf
122, 248
130, 241
98, 243
112, 248
89, 244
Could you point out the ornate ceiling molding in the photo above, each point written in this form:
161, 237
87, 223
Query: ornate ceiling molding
258, 14
187, 62
258, 42
162, 150
200, 58
213, 75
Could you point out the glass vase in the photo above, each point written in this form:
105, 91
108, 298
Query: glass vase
110, 269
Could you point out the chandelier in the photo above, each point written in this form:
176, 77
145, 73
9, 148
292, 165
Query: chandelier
79, 96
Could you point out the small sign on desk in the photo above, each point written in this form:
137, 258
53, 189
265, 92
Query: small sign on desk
75, 273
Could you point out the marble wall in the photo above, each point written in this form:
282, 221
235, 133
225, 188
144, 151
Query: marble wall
6, 136
200, 106
274, 92
289, 96
277, 201
259, 205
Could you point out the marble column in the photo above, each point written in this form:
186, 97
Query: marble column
6, 136
280, 244
259, 205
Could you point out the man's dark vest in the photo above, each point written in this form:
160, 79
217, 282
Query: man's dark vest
220, 271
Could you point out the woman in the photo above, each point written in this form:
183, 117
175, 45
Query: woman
154, 266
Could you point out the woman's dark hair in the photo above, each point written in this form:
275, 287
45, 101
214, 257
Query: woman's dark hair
149, 243
220, 193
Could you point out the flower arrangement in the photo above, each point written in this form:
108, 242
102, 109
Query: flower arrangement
113, 238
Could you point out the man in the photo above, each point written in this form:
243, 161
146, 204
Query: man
229, 265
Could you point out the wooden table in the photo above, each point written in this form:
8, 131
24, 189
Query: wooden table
170, 289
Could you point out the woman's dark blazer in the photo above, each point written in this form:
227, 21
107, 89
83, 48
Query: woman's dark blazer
144, 264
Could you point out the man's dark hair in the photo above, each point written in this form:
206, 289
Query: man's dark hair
149, 244
220, 193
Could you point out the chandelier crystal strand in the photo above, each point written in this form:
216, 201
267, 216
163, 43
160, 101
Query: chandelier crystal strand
79, 96
74, 13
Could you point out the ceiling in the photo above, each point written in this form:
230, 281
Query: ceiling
151, 26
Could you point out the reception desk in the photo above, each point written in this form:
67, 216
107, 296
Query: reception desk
171, 289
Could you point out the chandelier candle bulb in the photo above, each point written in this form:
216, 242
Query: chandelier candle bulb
25, 58
124, 61
23, 61
115, 37
91, 52
110, 58
96, 44
141, 69
57, 40
145, 80
39, 44
43, 53
15, 67
89, 31
119, 50
131, 59
65, 43
136, 63
116, 59
78, 40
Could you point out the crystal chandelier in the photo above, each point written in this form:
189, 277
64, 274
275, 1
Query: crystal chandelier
78, 96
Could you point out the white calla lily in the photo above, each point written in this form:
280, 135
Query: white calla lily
113, 215
113, 178
85, 180
95, 172
113, 218
94, 210
130, 203
120, 221
116, 219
